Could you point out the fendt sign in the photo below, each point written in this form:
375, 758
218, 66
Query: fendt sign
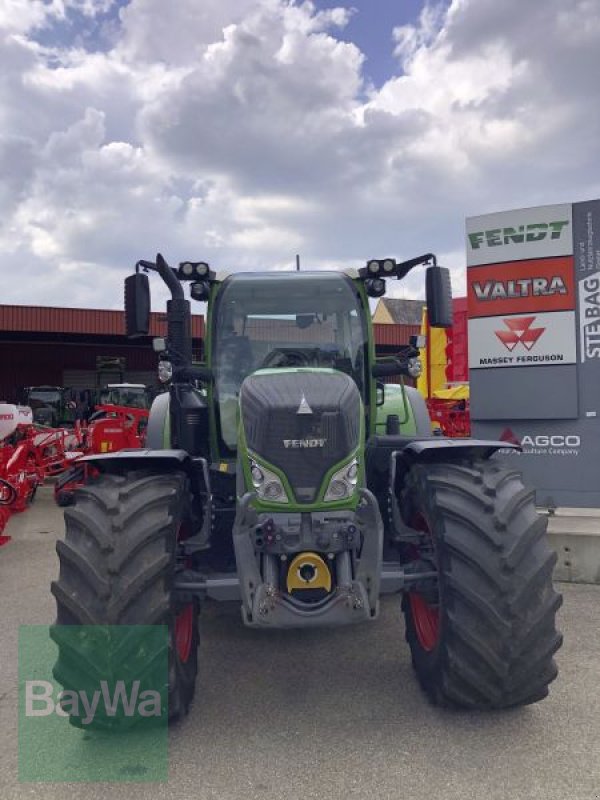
532, 232
533, 286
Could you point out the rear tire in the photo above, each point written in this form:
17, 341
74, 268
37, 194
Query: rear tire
117, 567
483, 636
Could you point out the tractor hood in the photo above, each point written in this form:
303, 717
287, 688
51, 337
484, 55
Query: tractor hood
301, 421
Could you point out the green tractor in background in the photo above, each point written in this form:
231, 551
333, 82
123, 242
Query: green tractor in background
271, 479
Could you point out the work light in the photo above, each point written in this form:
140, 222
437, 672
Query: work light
200, 290
187, 269
375, 287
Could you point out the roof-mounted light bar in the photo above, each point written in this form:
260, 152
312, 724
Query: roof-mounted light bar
390, 268
377, 269
194, 271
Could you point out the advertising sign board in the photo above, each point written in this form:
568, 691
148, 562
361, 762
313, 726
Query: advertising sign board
533, 285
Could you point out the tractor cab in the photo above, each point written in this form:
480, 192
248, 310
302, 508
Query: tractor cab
47, 403
131, 395
284, 321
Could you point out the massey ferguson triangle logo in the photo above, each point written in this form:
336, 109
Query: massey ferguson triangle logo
519, 331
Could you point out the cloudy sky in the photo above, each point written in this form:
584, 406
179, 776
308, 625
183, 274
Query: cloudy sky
245, 131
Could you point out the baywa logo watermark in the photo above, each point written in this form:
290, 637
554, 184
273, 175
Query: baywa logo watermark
41, 701
532, 232
557, 444
93, 703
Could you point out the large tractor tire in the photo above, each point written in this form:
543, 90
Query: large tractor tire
482, 631
117, 568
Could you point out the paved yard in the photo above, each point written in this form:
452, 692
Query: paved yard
317, 714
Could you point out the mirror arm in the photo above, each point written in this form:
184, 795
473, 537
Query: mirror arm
166, 273
404, 267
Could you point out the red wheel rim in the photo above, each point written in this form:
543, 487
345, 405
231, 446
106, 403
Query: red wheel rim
427, 621
426, 618
184, 621
184, 632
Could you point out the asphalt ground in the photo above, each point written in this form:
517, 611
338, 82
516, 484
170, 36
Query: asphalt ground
323, 714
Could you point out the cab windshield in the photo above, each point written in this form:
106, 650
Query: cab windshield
274, 321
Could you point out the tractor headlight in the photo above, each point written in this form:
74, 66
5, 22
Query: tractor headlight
414, 367
373, 267
165, 371
258, 476
202, 269
267, 485
342, 483
388, 265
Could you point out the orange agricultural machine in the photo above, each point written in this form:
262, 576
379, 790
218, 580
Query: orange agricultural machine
444, 382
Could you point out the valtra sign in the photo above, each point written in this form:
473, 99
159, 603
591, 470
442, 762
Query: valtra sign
533, 285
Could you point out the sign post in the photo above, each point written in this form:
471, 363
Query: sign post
533, 285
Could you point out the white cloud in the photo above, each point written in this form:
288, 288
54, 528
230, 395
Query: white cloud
242, 131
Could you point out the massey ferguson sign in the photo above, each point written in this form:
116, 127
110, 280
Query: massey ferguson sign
522, 341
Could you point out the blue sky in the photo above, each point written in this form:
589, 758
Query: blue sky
371, 29
93, 32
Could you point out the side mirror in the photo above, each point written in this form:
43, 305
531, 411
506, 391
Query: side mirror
137, 305
438, 297
159, 344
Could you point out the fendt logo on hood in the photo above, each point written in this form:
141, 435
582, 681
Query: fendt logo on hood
533, 232
519, 332
297, 443
521, 287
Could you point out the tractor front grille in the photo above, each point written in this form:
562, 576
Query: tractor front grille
303, 445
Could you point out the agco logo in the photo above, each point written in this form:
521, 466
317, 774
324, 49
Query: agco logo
570, 441
297, 443
533, 232
519, 332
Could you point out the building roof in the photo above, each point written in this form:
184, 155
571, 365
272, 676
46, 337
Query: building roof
100, 322
403, 312
93, 321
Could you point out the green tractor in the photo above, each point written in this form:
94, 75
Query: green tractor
271, 478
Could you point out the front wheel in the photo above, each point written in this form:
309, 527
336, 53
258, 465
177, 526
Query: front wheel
117, 568
481, 629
